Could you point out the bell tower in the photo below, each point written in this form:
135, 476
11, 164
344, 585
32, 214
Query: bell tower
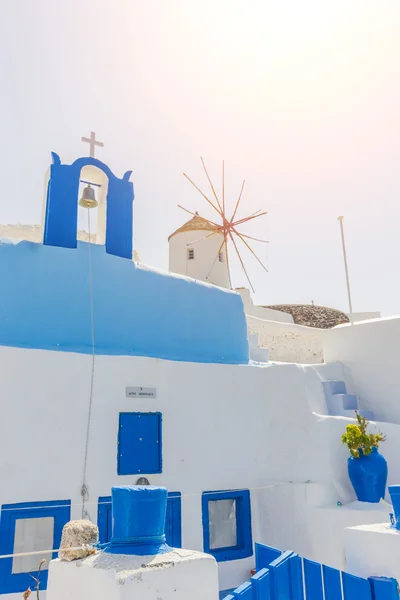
115, 203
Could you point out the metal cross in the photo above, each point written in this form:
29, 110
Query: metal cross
93, 143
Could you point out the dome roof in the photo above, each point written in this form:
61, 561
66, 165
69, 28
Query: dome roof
196, 223
310, 315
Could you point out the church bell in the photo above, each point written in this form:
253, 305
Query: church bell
88, 199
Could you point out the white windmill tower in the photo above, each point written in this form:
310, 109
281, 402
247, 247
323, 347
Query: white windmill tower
201, 248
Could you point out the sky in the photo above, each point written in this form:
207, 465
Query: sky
301, 98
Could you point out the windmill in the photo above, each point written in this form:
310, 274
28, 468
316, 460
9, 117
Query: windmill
228, 227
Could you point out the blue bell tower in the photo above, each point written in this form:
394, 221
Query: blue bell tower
61, 220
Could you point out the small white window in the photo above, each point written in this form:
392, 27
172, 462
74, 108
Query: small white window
32, 535
190, 253
222, 522
221, 257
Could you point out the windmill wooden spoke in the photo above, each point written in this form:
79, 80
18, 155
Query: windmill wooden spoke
215, 259
228, 226
241, 262
251, 250
204, 238
197, 215
238, 201
204, 196
255, 239
210, 182
249, 219
186, 210
223, 188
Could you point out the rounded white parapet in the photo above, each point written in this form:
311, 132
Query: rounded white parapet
373, 550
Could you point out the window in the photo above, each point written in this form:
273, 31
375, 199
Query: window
227, 524
190, 253
139, 443
173, 527
221, 257
29, 527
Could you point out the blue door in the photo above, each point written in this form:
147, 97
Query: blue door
173, 524
139, 443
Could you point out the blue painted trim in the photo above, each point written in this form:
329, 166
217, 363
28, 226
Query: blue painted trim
332, 583
244, 547
59, 509
244, 591
313, 580
226, 595
265, 555
356, 587
173, 530
261, 585
104, 519
280, 576
122, 448
384, 588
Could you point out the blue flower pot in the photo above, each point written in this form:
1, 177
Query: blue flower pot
394, 491
368, 474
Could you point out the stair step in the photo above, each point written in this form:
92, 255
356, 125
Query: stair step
334, 387
347, 401
368, 414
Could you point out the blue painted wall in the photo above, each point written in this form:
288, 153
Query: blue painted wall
61, 221
45, 303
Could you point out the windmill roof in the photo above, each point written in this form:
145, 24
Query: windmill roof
196, 223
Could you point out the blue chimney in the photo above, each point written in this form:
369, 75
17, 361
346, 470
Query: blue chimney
138, 520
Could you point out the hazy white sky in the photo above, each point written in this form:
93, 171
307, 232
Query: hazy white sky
300, 97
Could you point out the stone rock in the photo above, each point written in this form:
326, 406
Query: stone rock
311, 315
76, 534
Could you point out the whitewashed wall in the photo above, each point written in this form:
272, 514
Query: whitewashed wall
364, 316
287, 342
205, 266
224, 427
261, 312
371, 351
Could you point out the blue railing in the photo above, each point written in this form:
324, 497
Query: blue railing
287, 576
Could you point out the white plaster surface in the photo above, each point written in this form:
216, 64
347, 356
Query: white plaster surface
287, 342
373, 550
224, 427
371, 351
177, 575
259, 311
34, 233
205, 266
364, 316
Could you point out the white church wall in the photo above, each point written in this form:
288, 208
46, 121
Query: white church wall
224, 427
371, 351
364, 316
261, 312
205, 266
287, 342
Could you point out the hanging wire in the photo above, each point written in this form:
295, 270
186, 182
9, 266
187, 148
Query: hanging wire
84, 488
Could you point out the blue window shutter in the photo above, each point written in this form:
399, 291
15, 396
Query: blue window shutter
244, 546
139, 443
173, 521
60, 510
104, 519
